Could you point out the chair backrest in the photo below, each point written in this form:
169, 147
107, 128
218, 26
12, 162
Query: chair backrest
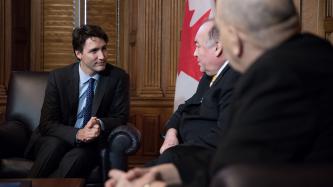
25, 97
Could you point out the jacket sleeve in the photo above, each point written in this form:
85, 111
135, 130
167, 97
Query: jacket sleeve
51, 116
175, 119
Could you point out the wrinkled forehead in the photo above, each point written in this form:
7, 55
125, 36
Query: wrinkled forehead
200, 38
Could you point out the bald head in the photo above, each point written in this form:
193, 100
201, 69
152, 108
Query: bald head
208, 51
209, 32
251, 27
260, 19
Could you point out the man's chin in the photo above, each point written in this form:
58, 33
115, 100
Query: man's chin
100, 67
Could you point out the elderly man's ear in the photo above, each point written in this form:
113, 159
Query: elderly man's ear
218, 49
236, 41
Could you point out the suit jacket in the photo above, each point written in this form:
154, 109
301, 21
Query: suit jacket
58, 115
202, 117
282, 109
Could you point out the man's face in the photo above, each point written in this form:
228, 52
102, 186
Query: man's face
93, 56
206, 55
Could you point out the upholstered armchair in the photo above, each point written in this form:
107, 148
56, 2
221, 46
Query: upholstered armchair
24, 102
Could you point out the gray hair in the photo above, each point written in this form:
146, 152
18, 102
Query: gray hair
213, 34
261, 19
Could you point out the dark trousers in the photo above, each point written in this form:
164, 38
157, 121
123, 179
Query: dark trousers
190, 160
58, 159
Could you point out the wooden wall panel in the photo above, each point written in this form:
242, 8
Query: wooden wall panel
310, 15
150, 121
58, 23
14, 42
150, 126
171, 44
2, 60
316, 16
20, 35
36, 30
298, 5
328, 22
149, 48
104, 13
5, 52
2, 40
128, 39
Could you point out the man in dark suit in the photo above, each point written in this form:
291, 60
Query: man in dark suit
196, 125
83, 103
281, 112
281, 108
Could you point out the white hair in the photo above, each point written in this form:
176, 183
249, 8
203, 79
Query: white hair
261, 19
213, 33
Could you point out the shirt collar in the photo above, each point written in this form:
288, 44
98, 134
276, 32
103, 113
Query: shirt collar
84, 77
222, 67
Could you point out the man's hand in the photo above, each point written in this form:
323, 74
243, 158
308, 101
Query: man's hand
158, 176
137, 177
90, 131
133, 178
170, 140
117, 178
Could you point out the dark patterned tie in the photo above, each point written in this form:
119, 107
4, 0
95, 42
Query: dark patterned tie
89, 101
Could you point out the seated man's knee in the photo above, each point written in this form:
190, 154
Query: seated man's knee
52, 144
81, 154
78, 162
169, 155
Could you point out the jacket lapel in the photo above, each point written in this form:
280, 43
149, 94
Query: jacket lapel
99, 93
226, 68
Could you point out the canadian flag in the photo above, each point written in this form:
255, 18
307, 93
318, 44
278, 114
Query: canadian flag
188, 74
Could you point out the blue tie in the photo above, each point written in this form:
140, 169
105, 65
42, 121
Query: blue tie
89, 101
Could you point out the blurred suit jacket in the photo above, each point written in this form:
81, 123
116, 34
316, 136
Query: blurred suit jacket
282, 109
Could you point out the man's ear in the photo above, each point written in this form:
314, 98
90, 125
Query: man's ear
218, 49
78, 54
236, 41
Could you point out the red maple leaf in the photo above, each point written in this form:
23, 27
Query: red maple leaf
187, 62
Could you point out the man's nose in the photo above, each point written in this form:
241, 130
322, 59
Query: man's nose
101, 55
195, 52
